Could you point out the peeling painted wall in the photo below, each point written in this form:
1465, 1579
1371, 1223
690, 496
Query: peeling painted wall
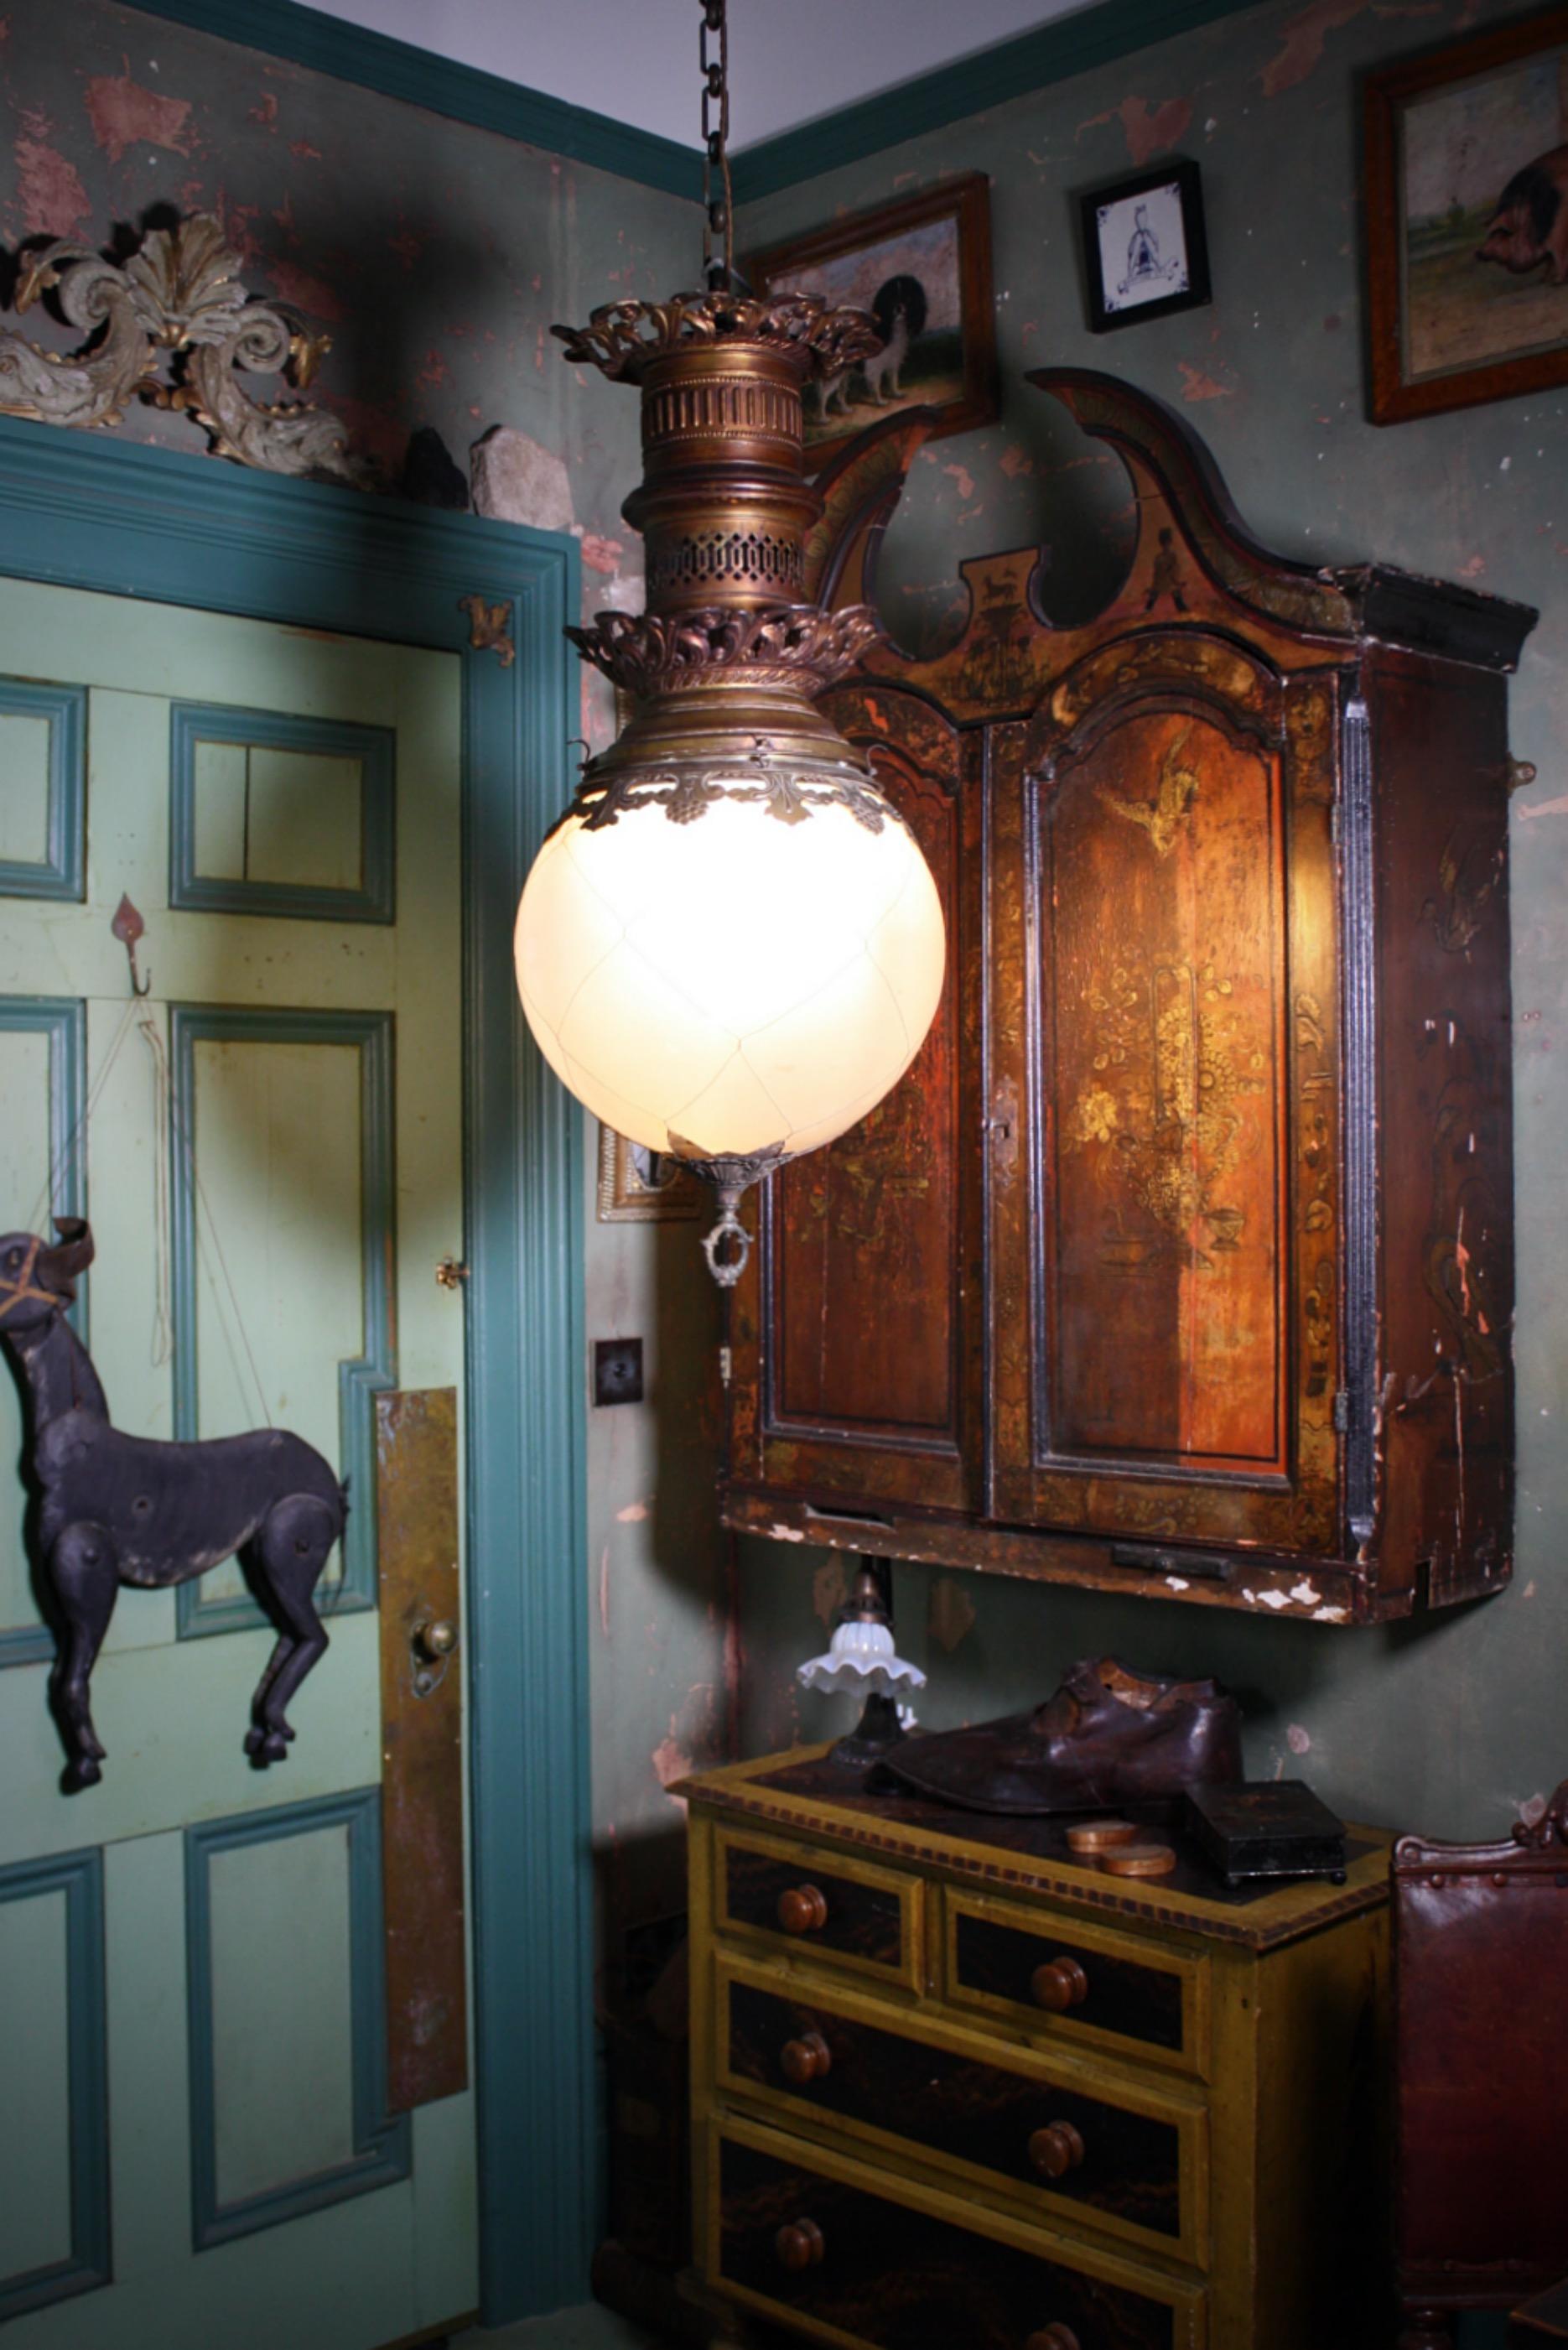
1446, 1724
438, 256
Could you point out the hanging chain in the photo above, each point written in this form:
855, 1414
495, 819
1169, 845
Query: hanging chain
717, 208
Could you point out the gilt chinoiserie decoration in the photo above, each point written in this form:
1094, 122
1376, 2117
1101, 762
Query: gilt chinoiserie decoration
172, 324
1181, 1261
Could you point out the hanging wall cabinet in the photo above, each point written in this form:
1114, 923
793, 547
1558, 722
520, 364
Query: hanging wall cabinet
1181, 1261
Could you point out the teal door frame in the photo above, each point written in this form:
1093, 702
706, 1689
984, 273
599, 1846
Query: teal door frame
118, 518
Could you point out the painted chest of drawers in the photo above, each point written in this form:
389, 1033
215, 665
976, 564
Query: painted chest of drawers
952, 2087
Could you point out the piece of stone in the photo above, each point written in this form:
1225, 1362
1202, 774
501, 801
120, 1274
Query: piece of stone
514, 479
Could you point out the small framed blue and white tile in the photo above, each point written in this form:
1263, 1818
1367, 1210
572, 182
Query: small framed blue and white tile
1145, 250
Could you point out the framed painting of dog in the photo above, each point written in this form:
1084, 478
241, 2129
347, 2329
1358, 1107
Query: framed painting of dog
922, 268
1466, 221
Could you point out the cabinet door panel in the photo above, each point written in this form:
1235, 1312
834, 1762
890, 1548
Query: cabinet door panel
1150, 926
852, 1350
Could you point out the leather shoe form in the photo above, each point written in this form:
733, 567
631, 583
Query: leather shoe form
1108, 1736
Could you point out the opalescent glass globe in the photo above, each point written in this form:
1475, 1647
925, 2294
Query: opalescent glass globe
734, 982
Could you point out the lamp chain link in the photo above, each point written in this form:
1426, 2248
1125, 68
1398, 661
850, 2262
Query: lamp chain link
717, 209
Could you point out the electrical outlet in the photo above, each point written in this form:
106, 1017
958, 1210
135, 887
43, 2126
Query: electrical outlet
617, 1370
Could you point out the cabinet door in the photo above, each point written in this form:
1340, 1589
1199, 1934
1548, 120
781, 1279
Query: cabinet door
855, 1331
1163, 1014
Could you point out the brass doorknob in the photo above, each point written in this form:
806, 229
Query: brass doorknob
799, 2244
803, 1910
806, 2059
1058, 1985
436, 1641
1052, 2337
1055, 2150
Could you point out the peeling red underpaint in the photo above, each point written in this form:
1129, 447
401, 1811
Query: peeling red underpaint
1473, 568
602, 553
670, 1760
303, 151
406, 244
123, 114
1196, 385
963, 477
1150, 130
239, 223
307, 293
634, 1512
1297, 1739
53, 200
1014, 462
434, 371
266, 112
1306, 37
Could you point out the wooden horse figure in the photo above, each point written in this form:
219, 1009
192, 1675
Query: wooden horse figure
116, 1509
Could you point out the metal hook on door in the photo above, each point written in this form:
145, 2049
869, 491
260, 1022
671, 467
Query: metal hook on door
128, 926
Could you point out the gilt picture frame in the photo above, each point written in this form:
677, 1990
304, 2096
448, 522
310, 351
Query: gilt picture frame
1467, 222
1145, 248
922, 267
642, 1187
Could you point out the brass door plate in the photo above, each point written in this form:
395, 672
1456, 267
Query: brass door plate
421, 1745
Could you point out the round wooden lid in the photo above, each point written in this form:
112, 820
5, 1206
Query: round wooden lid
1139, 1860
1097, 1835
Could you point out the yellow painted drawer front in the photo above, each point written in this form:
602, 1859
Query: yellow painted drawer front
1064, 2142
816, 1905
1079, 1984
849, 2255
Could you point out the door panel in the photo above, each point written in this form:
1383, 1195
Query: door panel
1153, 1282
272, 1169
861, 1321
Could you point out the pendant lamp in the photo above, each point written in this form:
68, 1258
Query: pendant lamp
729, 947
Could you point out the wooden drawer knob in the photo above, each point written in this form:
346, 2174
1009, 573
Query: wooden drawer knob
1055, 2150
1059, 1984
805, 2059
1052, 2337
803, 1910
799, 2244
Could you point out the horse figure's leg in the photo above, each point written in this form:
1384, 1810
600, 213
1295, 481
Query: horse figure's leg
289, 1552
83, 1572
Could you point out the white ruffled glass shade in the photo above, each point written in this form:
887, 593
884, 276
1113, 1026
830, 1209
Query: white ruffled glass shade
736, 982
861, 1659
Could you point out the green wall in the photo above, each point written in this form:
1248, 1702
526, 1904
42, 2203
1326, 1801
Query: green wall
1445, 1725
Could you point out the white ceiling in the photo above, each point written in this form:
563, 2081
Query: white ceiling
636, 60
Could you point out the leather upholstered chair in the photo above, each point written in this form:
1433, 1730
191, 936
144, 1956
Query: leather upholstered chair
1481, 1962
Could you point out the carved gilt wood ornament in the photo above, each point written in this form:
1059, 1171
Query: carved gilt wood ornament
173, 327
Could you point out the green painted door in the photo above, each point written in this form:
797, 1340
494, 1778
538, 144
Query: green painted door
196, 2150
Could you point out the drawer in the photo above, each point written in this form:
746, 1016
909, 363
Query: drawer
1081, 1984
795, 1896
1062, 2141
849, 2255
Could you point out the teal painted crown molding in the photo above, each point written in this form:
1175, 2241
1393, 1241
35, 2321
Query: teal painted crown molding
281, 28
1094, 35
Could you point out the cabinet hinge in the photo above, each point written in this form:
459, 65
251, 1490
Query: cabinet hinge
726, 1366
1342, 1410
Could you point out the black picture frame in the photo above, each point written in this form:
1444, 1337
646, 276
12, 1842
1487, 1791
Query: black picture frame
1183, 179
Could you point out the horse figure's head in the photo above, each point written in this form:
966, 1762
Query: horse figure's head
39, 1281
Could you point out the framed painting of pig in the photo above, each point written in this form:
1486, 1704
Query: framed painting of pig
1466, 221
